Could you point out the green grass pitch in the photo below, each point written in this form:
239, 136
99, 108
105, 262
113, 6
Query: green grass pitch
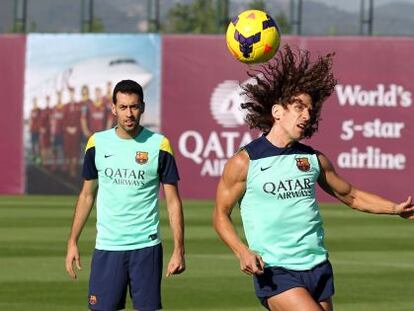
372, 256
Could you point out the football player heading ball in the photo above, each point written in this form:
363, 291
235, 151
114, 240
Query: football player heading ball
273, 179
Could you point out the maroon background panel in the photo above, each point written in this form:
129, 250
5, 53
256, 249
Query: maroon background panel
366, 128
371, 113
12, 58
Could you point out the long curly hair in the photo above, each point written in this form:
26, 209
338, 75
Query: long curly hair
287, 76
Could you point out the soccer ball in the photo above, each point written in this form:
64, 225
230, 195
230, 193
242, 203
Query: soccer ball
253, 37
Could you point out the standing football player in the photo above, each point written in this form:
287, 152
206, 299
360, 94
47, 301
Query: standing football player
124, 166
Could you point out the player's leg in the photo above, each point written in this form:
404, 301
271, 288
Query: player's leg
108, 281
294, 299
327, 304
298, 299
320, 283
145, 273
276, 282
285, 289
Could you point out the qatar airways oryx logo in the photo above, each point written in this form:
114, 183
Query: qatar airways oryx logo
225, 103
210, 150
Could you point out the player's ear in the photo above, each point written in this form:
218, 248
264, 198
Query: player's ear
142, 107
276, 111
113, 109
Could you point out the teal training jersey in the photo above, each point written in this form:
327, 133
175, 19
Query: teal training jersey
129, 172
279, 211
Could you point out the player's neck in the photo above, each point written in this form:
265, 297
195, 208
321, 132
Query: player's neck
122, 133
279, 138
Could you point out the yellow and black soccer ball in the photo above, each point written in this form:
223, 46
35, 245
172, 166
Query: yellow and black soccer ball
253, 37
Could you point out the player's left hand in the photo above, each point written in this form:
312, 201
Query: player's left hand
176, 264
72, 258
405, 209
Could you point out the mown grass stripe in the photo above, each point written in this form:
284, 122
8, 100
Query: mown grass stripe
372, 258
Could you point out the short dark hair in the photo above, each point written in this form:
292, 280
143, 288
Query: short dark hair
128, 87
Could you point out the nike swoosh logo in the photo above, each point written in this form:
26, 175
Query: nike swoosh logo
108, 155
265, 168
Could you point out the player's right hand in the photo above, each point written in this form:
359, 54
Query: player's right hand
251, 263
72, 256
405, 209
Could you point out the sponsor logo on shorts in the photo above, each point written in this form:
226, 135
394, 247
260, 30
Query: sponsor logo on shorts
92, 300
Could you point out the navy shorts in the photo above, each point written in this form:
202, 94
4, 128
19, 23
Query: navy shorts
275, 280
112, 272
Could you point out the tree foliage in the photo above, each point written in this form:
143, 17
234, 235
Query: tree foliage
257, 5
281, 18
204, 16
196, 17
95, 26
284, 24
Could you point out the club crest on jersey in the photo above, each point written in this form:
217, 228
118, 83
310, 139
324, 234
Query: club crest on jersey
141, 157
303, 164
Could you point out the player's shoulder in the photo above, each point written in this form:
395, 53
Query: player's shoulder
261, 147
149, 136
100, 136
146, 132
239, 160
155, 139
237, 166
109, 133
164, 143
90, 144
304, 149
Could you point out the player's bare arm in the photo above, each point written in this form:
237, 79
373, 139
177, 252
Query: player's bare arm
176, 264
230, 188
82, 211
355, 198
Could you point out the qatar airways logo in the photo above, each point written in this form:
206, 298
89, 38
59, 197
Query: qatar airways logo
124, 176
392, 95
